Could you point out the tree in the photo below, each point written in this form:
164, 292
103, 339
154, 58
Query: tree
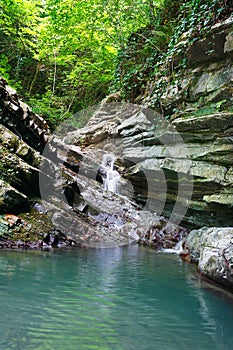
63, 52
18, 23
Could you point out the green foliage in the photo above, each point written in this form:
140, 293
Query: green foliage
144, 51
4, 67
50, 107
136, 62
152, 58
195, 19
61, 53
211, 108
18, 23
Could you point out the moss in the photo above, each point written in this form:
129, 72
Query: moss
8, 166
32, 226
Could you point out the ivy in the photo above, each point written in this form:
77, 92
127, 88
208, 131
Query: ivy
149, 53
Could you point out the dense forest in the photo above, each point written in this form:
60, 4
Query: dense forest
65, 55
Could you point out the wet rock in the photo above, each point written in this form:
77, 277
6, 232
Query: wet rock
212, 250
14, 144
39, 207
18, 173
162, 235
212, 81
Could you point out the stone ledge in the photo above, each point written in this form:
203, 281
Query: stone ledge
212, 122
10, 197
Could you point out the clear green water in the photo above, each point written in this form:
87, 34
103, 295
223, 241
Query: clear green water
121, 298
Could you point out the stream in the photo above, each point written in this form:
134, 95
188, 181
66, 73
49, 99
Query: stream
119, 298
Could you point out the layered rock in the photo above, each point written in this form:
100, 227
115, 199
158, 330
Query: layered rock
80, 206
20, 163
200, 74
11, 198
74, 204
20, 119
166, 168
199, 100
182, 168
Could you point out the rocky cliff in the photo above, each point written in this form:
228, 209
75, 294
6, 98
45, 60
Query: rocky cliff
198, 101
75, 208
23, 135
178, 157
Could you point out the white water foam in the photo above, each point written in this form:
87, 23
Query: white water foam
112, 177
176, 250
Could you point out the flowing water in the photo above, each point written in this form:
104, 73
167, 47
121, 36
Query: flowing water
112, 177
120, 298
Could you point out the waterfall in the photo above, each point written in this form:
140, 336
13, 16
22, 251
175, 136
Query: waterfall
111, 177
178, 249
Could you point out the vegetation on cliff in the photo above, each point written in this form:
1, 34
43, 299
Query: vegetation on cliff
63, 56
149, 53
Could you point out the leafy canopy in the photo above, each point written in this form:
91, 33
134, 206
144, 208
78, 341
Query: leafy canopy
61, 53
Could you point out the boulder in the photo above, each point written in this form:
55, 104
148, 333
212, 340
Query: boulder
228, 47
212, 250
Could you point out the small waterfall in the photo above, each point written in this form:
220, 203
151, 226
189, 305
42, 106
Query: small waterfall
111, 177
178, 249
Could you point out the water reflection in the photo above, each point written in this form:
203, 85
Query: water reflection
120, 298
211, 298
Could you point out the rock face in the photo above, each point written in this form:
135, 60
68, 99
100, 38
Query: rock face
198, 100
74, 204
10, 197
19, 118
23, 134
212, 250
80, 206
165, 167
183, 168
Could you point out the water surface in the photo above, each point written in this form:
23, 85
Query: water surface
121, 298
